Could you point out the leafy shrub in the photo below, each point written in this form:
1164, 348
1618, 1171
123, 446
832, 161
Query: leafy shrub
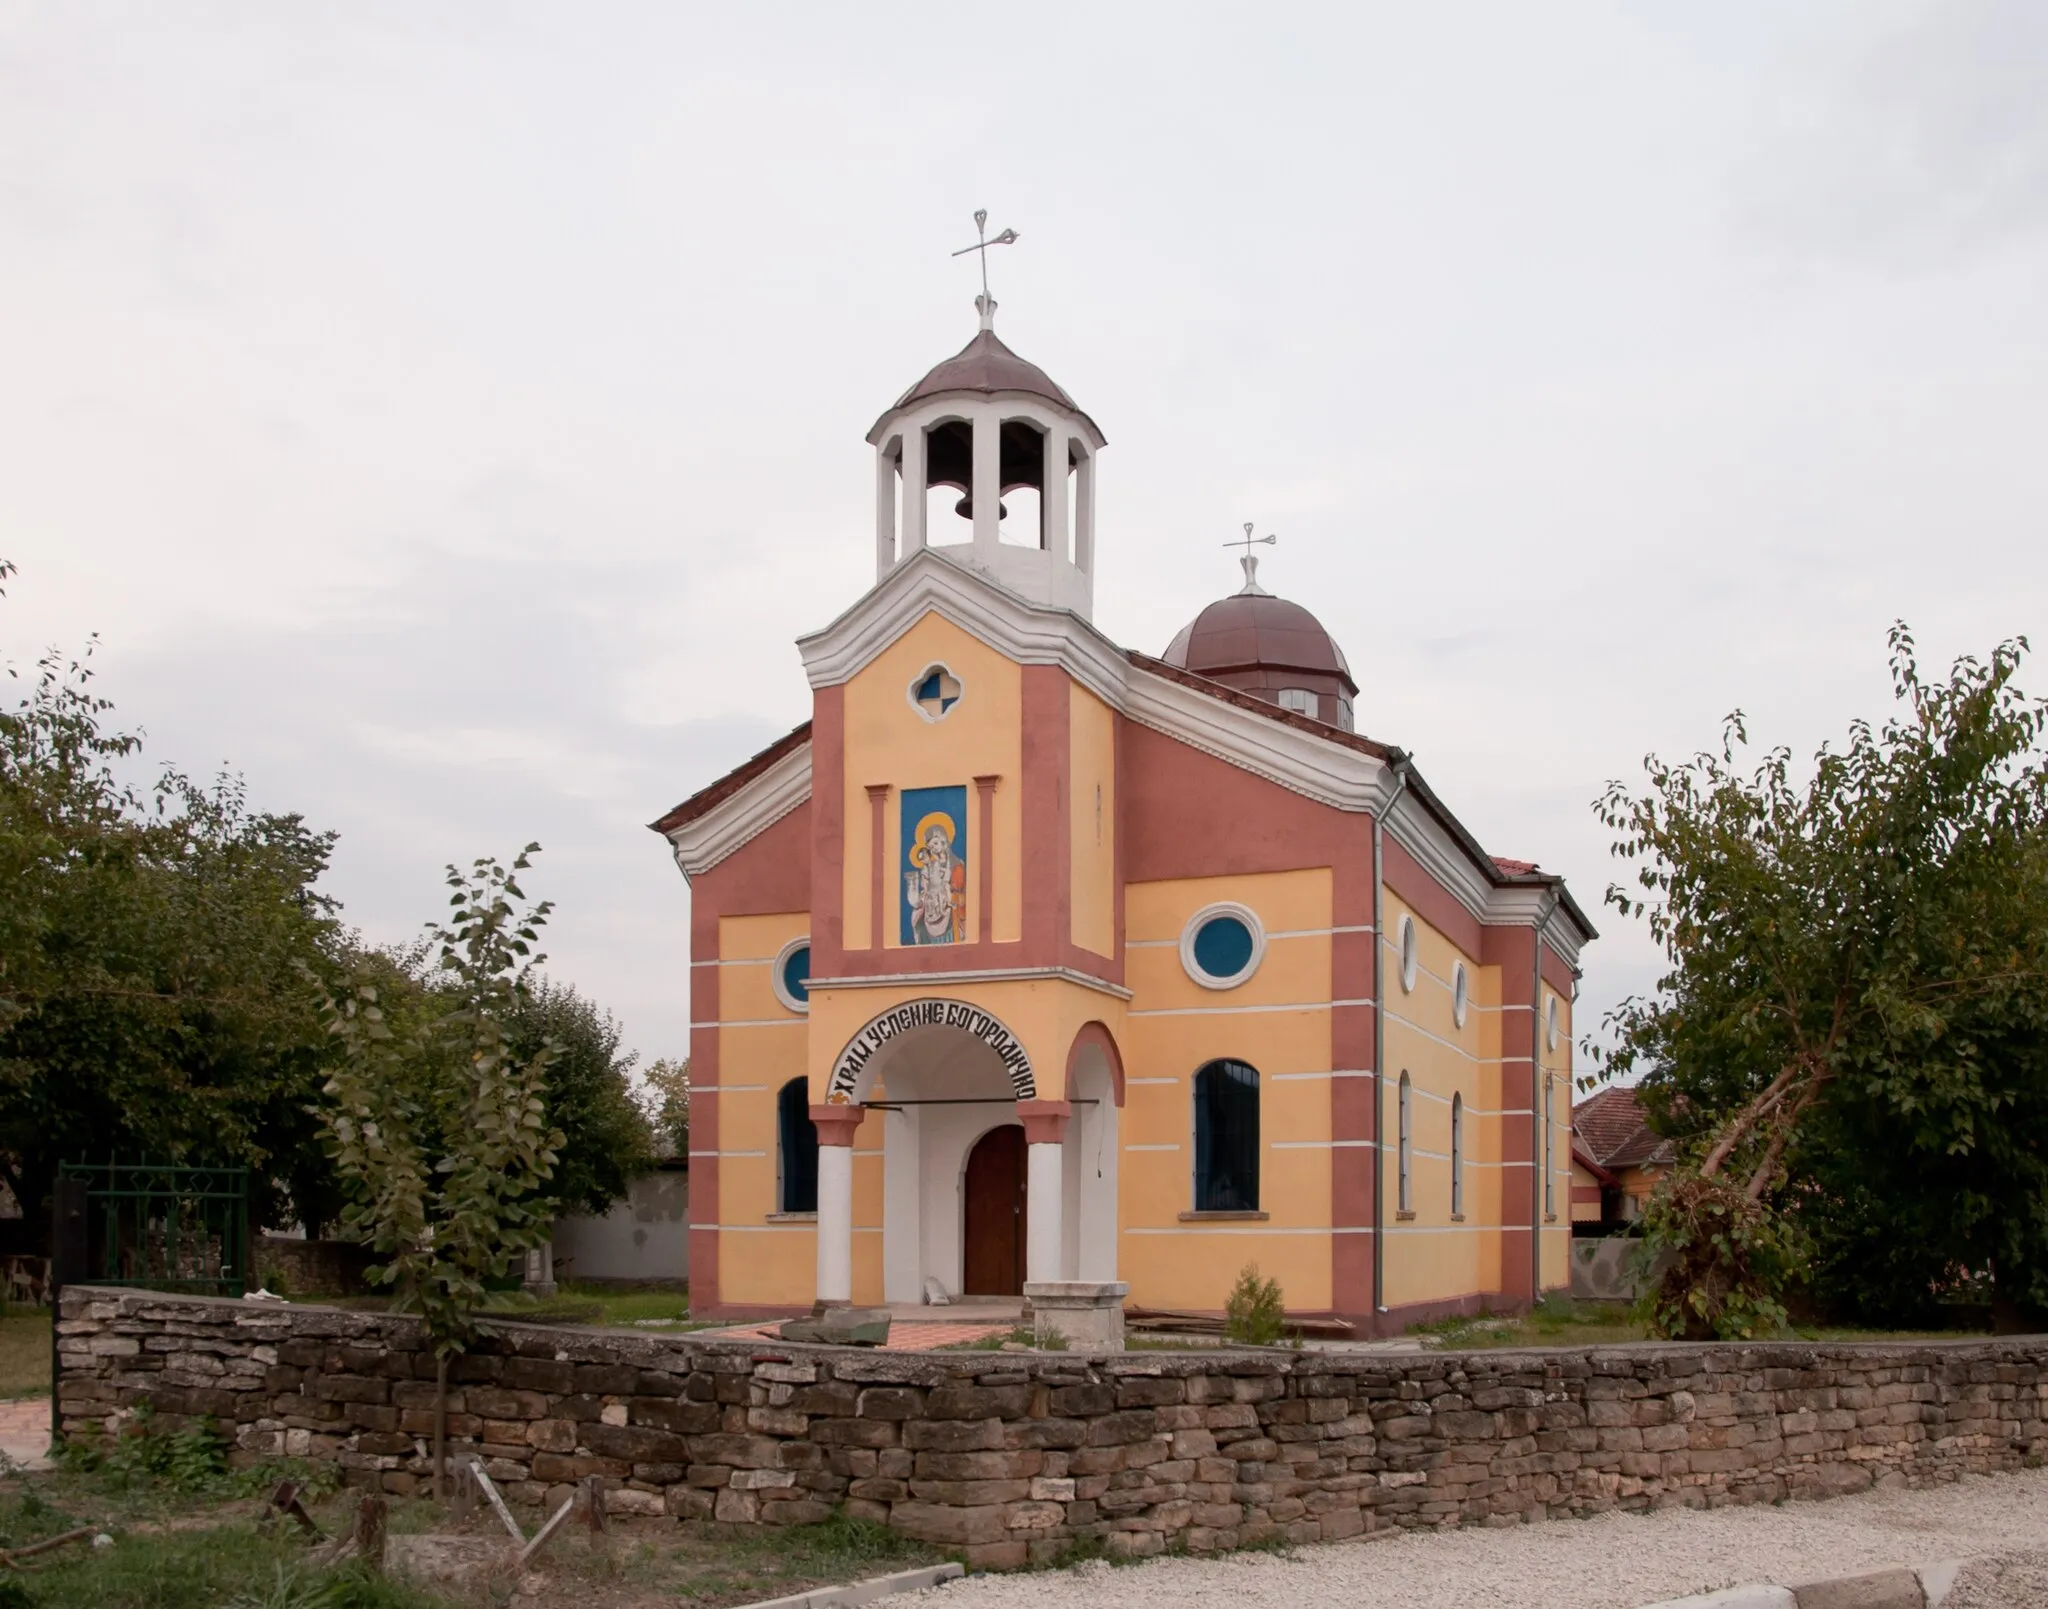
189, 1460
1714, 1263
1256, 1313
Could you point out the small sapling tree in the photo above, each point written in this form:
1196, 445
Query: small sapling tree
1255, 1312
438, 1128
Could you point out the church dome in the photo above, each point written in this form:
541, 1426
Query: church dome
1271, 648
987, 366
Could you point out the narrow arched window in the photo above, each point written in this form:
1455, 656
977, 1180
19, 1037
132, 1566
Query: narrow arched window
1549, 1148
1457, 1156
1227, 1137
796, 1138
1406, 1155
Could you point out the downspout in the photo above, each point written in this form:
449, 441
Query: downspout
1538, 1117
1379, 1036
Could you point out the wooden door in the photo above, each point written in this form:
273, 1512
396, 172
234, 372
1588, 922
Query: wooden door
996, 1222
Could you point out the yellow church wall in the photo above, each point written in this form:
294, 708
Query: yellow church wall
1431, 1255
773, 1266
1091, 821
1278, 1021
761, 1046
867, 1212
1556, 1062
888, 741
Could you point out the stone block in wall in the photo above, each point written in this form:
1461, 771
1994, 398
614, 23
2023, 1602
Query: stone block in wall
948, 1526
978, 1402
953, 1435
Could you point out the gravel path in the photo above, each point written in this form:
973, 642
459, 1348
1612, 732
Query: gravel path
1617, 1561
2018, 1581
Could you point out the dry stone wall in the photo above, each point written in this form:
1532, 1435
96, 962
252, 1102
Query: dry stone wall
1010, 1456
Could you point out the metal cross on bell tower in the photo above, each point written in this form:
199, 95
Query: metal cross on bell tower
1249, 559
985, 304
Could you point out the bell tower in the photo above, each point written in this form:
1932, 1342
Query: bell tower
996, 430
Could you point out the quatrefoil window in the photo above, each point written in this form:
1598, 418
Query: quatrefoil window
935, 692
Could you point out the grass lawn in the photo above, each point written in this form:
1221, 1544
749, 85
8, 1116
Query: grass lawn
1559, 1322
605, 1306
24, 1353
186, 1537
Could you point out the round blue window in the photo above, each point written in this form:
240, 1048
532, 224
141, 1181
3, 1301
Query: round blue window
796, 974
1223, 946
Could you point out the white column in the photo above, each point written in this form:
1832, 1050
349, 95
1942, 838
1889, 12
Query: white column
1053, 495
913, 489
885, 510
902, 1207
1047, 1194
988, 486
835, 1225
1084, 514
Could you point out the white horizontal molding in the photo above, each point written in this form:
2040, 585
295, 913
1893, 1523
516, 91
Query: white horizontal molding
931, 581
899, 980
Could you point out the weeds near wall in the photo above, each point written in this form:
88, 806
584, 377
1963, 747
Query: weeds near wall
1256, 1314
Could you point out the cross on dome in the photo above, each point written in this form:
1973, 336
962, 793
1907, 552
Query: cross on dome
985, 304
1250, 560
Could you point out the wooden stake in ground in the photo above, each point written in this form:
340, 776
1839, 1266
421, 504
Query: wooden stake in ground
592, 1494
546, 1533
511, 1525
11, 1559
463, 1502
285, 1500
365, 1539
369, 1538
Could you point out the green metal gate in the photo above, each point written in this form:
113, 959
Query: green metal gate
158, 1225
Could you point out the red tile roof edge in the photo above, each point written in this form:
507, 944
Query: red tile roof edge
726, 786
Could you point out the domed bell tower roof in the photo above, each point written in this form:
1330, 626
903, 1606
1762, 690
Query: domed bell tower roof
1268, 647
988, 425
985, 366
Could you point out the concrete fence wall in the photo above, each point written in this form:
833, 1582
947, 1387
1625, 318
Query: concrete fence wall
1603, 1269
1009, 1456
644, 1237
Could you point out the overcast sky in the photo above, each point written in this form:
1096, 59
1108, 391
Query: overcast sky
449, 415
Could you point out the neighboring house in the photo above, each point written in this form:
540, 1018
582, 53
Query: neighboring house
1030, 958
644, 1238
1617, 1158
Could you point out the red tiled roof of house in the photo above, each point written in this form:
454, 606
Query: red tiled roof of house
1514, 868
1615, 1132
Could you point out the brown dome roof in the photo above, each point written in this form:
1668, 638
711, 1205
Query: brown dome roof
1257, 631
984, 364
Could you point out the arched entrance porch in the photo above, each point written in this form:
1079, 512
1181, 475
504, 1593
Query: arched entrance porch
941, 1076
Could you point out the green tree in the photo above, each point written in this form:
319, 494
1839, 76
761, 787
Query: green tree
149, 946
589, 1097
667, 1103
440, 1130
1862, 952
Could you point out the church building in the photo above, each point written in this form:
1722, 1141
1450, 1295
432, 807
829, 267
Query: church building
1032, 959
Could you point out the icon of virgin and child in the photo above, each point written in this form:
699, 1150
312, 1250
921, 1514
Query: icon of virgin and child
935, 874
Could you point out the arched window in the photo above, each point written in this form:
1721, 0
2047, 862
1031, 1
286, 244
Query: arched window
1457, 1156
796, 1144
1549, 1145
1405, 1158
1227, 1137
